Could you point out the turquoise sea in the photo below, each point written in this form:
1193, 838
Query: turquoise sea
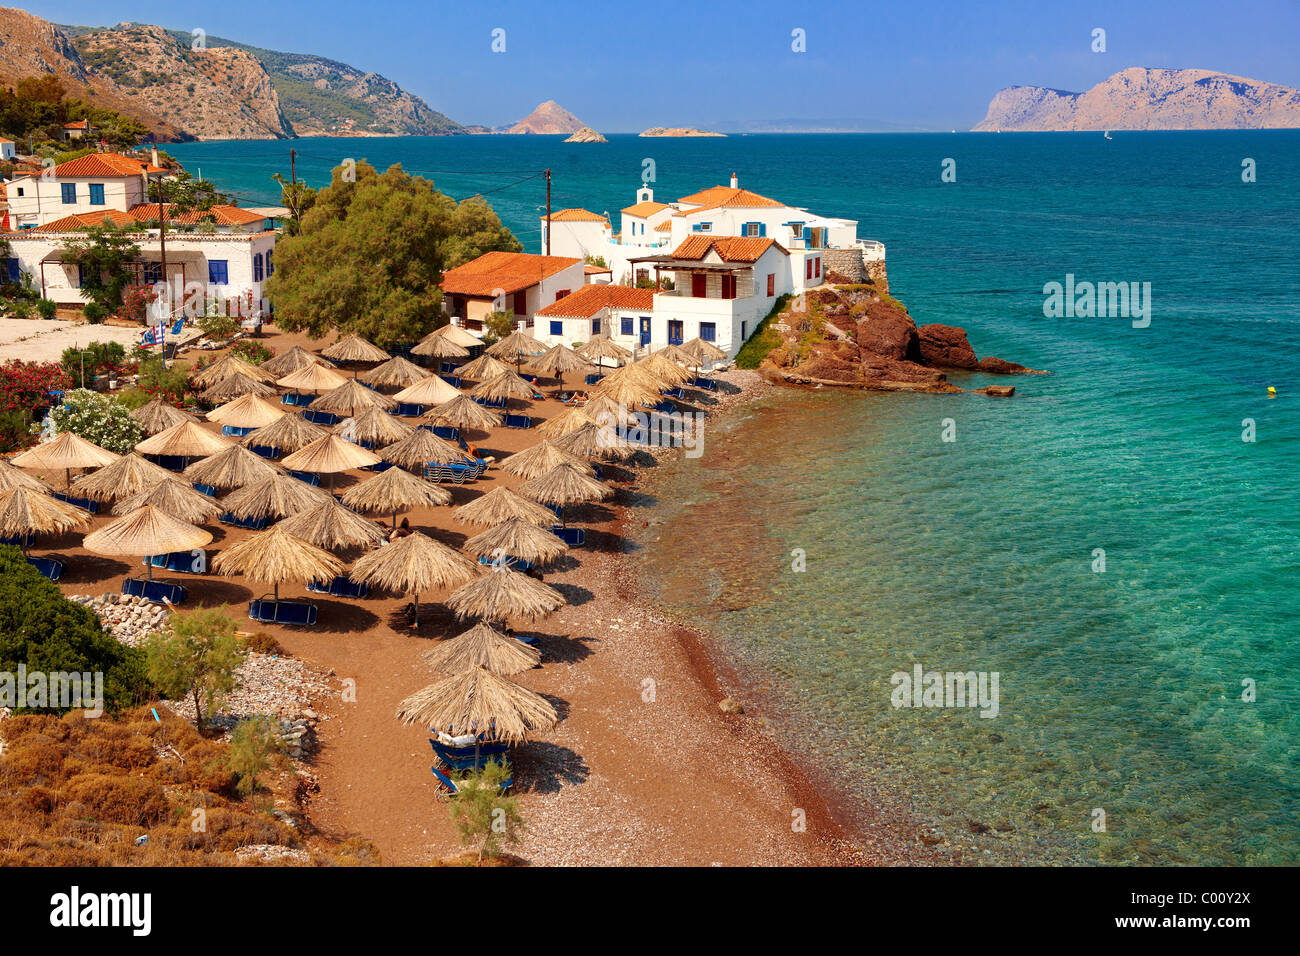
1120, 691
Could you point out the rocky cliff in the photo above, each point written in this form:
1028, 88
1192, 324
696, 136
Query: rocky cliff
1140, 98
549, 118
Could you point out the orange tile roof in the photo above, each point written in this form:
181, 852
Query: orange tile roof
717, 197
106, 165
504, 272
576, 215
728, 248
643, 210
585, 302
588, 269
224, 215
77, 124
83, 220
664, 226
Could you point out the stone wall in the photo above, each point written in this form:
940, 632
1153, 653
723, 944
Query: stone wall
847, 262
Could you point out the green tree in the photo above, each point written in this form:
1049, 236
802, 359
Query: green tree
105, 254
100, 419
482, 813
254, 745
370, 255
198, 655
497, 326
297, 198
189, 193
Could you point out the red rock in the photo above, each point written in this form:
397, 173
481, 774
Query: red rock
997, 391
946, 346
888, 331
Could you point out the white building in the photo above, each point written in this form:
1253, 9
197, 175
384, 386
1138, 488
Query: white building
6, 150
514, 282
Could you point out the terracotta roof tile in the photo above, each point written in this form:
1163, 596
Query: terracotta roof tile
224, 215
576, 215
728, 248
643, 210
86, 219
590, 299
725, 197
107, 165
504, 272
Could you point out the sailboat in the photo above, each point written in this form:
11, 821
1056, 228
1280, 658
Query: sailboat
1108, 136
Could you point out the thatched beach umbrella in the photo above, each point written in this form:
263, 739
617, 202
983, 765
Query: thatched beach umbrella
292, 360
439, 346
482, 646
186, 440
603, 410
539, 459
145, 531
11, 477
659, 367
701, 351
517, 346
559, 360
500, 505
601, 348
25, 511
506, 386
676, 354
412, 565
433, 390
277, 557
312, 378
375, 427
287, 433
247, 411
394, 490
329, 456
275, 496
234, 384
565, 484
331, 526
463, 412
479, 702
227, 364
67, 450
517, 538
397, 372
350, 397
420, 447
482, 368
501, 594
629, 392
121, 479
158, 415
454, 333
353, 348
564, 423
594, 441
233, 467
174, 497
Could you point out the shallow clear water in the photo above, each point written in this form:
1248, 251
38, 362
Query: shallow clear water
1119, 690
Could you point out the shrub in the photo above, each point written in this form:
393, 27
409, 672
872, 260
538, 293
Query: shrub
254, 744
158, 381
46, 308
482, 813
763, 340
252, 351
198, 656
218, 327
95, 357
136, 300
117, 799
95, 313
263, 643
100, 419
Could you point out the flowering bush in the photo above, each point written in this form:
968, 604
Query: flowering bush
159, 381
100, 419
136, 300
251, 351
23, 384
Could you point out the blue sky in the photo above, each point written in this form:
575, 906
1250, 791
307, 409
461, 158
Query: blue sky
621, 67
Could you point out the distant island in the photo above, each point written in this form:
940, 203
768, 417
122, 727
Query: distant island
1140, 98
586, 135
549, 119
677, 131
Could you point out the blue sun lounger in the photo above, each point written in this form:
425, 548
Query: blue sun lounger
408, 410
86, 503
678, 393
593, 378
203, 489
21, 540
307, 476
157, 591
328, 419
297, 399
510, 561
264, 451
518, 421
453, 380
342, 586
181, 562
491, 402
403, 349
234, 431
379, 466
249, 523
573, 537
291, 613
447, 368
446, 433
457, 473
47, 567
708, 384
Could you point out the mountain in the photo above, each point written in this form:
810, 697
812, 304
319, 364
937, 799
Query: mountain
549, 118
1139, 98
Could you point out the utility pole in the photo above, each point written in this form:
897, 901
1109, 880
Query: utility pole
162, 241
293, 167
548, 212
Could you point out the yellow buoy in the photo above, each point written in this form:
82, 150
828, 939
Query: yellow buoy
1272, 390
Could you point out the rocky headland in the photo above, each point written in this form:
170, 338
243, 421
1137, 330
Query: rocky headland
677, 131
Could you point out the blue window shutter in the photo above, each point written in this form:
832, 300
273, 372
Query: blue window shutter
557, 328
97, 194
595, 326
762, 229
11, 270
218, 273
81, 276
708, 331
257, 267
627, 326
270, 267
69, 193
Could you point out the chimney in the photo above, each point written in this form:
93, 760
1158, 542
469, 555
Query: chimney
735, 183
156, 163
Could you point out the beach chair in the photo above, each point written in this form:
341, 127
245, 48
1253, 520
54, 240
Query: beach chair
316, 417
297, 400
209, 490
86, 503
47, 567
234, 431
518, 421
491, 402
556, 510
19, 540
249, 523
446, 433
307, 476
593, 378
264, 451
510, 561
666, 407
404, 349
678, 393
446, 781
573, 537
447, 368
379, 466
289, 613
159, 592
408, 410
170, 462
342, 586
459, 472
453, 380
708, 384
181, 562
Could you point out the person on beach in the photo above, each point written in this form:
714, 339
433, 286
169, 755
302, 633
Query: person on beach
401, 531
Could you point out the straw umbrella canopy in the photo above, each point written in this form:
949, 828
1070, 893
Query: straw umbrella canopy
247, 411
121, 479
604, 410
397, 372
479, 702
419, 447
463, 412
701, 351
664, 369
394, 490
234, 384
439, 346
353, 348
454, 333
67, 450
292, 360
517, 538
482, 646
500, 505
558, 360
501, 593
277, 557
158, 415
601, 348
145, 531
565, 484
186, 440
329, 456
564, 423
630, 392
375, 426
433, 390
506, 386
677, 354
275, 496
482, 368
174, 497
287, 433
312, 378
25, 511
516, 346
11, 477
539, 459
230, 363
331, 526
351, 396
594, 441
411, 565
233, 467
